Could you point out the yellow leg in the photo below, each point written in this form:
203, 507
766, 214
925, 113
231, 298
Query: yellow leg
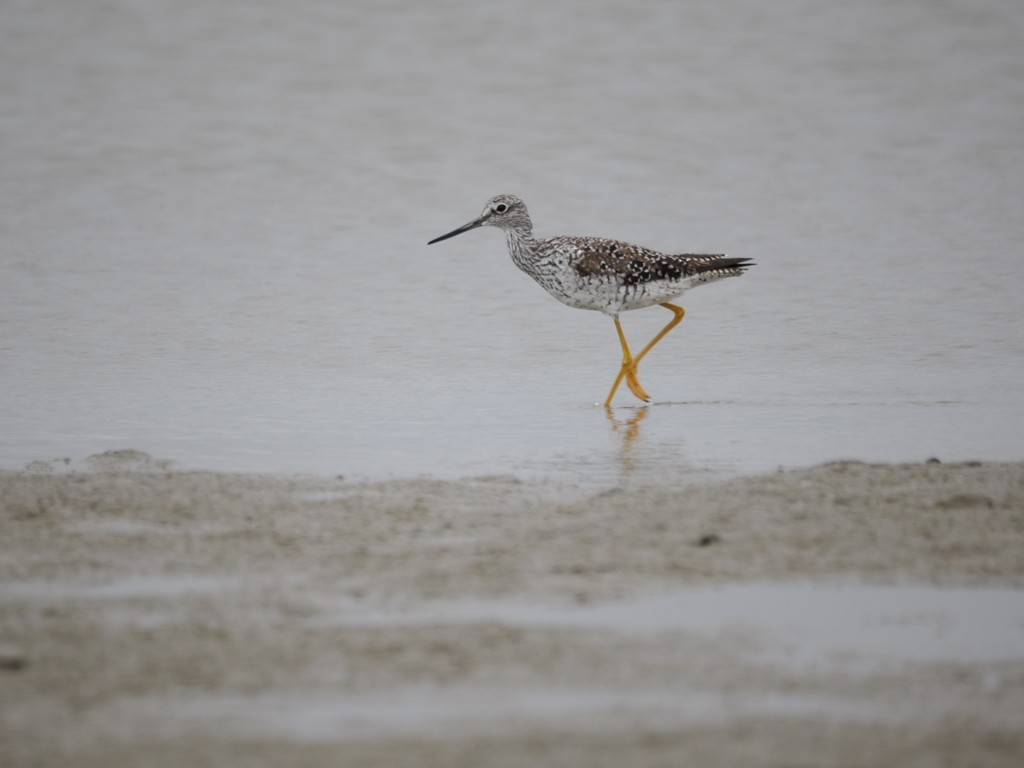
630, 363
627, 371
679, 312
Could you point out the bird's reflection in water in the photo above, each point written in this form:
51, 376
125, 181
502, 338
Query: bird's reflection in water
630, 433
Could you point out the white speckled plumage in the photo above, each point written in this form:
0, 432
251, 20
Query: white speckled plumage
605, 275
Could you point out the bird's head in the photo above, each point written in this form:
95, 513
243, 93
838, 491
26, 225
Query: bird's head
506, 212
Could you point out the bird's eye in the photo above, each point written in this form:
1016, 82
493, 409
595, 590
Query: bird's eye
500, 208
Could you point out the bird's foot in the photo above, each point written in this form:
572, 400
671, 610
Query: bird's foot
629, 373
633, 382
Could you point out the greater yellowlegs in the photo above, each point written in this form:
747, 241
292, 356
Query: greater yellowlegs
606, 275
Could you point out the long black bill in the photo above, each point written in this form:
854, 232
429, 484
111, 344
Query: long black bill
464, 228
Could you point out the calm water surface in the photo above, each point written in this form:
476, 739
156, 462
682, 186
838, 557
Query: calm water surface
214, 221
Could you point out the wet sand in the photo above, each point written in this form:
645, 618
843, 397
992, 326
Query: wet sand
843, 615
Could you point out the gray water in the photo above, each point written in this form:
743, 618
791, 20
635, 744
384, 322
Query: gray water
214, 219
863, 627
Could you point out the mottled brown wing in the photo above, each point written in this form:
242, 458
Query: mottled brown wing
632, 264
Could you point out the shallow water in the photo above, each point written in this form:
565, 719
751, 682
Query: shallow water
852, 632
423, 711
215, 221
848, 626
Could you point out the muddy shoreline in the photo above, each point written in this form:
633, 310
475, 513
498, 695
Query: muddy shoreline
153, 617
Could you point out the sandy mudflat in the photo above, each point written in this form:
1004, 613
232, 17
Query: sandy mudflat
844, 615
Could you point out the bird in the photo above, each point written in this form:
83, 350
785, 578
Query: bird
609, 276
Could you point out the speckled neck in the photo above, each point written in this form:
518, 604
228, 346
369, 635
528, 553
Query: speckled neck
523, 249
